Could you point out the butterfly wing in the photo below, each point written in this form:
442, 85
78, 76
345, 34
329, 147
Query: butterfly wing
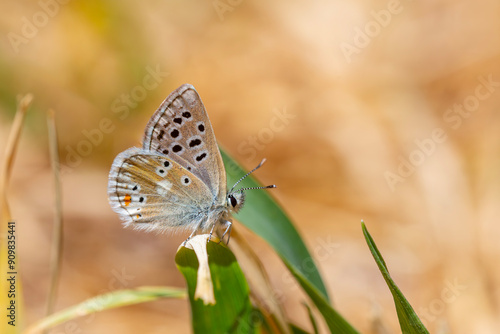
154, 192
181, 130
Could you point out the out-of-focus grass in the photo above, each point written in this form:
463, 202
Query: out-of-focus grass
9, 257
108, 301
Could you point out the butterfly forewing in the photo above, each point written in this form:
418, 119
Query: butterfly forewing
180, 129
152, 191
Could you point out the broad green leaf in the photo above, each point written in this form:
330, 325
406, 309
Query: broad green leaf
105, 302
408, 319
335, 322
264, 216
232, 311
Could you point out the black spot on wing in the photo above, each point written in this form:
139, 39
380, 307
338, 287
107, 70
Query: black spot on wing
201, 127
177, 148
174, 133
201, 157
195, 142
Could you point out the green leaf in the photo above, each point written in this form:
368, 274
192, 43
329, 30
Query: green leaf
335, 322
265, 217
297, 330
232, 311
107, 301
408, 319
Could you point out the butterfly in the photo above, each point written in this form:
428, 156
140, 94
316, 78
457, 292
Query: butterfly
177, 180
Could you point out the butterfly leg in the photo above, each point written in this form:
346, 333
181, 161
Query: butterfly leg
190, 236
228, 229
194, 232
211, 231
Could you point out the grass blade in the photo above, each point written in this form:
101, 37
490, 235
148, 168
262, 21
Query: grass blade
408, 319
312, 319
298, 330
6, 296
265, 218
105, 302
335, 322
56, 252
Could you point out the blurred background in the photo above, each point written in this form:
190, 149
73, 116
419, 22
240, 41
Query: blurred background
385, 111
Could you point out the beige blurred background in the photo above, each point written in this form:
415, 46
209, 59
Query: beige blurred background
385, 111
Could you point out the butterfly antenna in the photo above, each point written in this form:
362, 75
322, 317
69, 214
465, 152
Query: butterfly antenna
250, 188
250, 172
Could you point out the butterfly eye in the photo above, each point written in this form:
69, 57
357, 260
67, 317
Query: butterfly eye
233, 201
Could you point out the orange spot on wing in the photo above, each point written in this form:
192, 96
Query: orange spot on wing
127, 200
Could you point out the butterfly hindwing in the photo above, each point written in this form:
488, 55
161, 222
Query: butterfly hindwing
181, 130
151, 191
